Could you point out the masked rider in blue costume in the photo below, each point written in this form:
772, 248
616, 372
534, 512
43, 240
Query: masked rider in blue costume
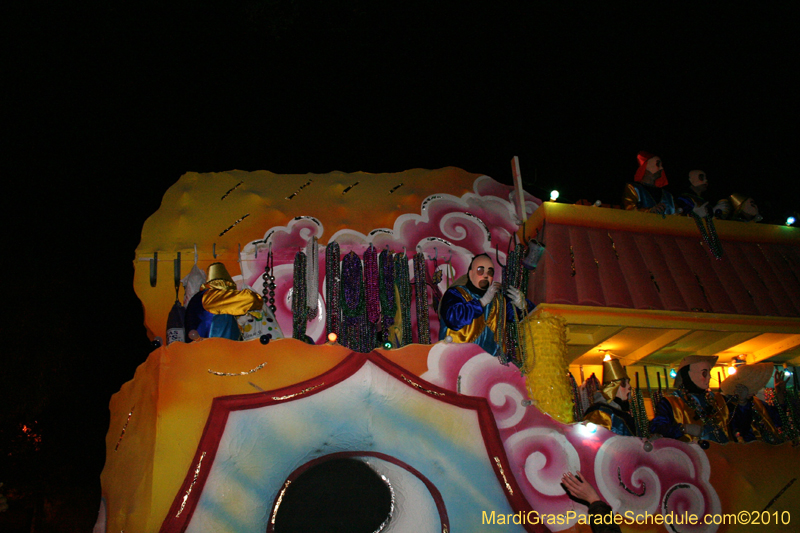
473, 309
754, 418
693, 412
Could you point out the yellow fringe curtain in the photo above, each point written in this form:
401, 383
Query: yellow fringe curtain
544, 340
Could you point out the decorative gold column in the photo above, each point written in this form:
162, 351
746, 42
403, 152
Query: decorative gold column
544, 340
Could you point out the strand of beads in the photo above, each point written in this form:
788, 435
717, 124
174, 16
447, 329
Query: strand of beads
709, 236
299, 299
524, 272
371, 285
639, 414
792, 401
312, 277
388, 303
512, 277
507, 325
372, 316
265, 282
517, 273
369, 336
766, 433
704, 415
352, 300
789, 415
715, 245
332, 285
788, 428
353, 305
500, 353
269, 280
421, 294
403, 284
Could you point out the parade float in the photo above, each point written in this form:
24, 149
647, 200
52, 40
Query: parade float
211, 434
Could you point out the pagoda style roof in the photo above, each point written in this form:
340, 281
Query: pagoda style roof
649, 289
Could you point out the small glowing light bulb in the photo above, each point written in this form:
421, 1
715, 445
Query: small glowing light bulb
673, 373
732, 370
332, 337
553, 195
607, 358
790, 221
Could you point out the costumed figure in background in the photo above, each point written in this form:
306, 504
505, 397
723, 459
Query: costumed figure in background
472, 309
693, 412
740, 207
611, 408
693, 199
693, 204
753, 417
212, 312
647, 192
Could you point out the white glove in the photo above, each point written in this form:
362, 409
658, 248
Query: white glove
487, 298
516, 298
701, 210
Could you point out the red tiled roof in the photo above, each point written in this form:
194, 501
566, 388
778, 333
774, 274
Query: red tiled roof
612, 258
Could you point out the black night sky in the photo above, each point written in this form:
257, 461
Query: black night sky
106, 104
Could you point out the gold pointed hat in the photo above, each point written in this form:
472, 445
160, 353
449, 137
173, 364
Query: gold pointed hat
613, 371
613, 374
218, 272
737, 201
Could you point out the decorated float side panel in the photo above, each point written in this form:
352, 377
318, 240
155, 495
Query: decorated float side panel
454, 419
260, 221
